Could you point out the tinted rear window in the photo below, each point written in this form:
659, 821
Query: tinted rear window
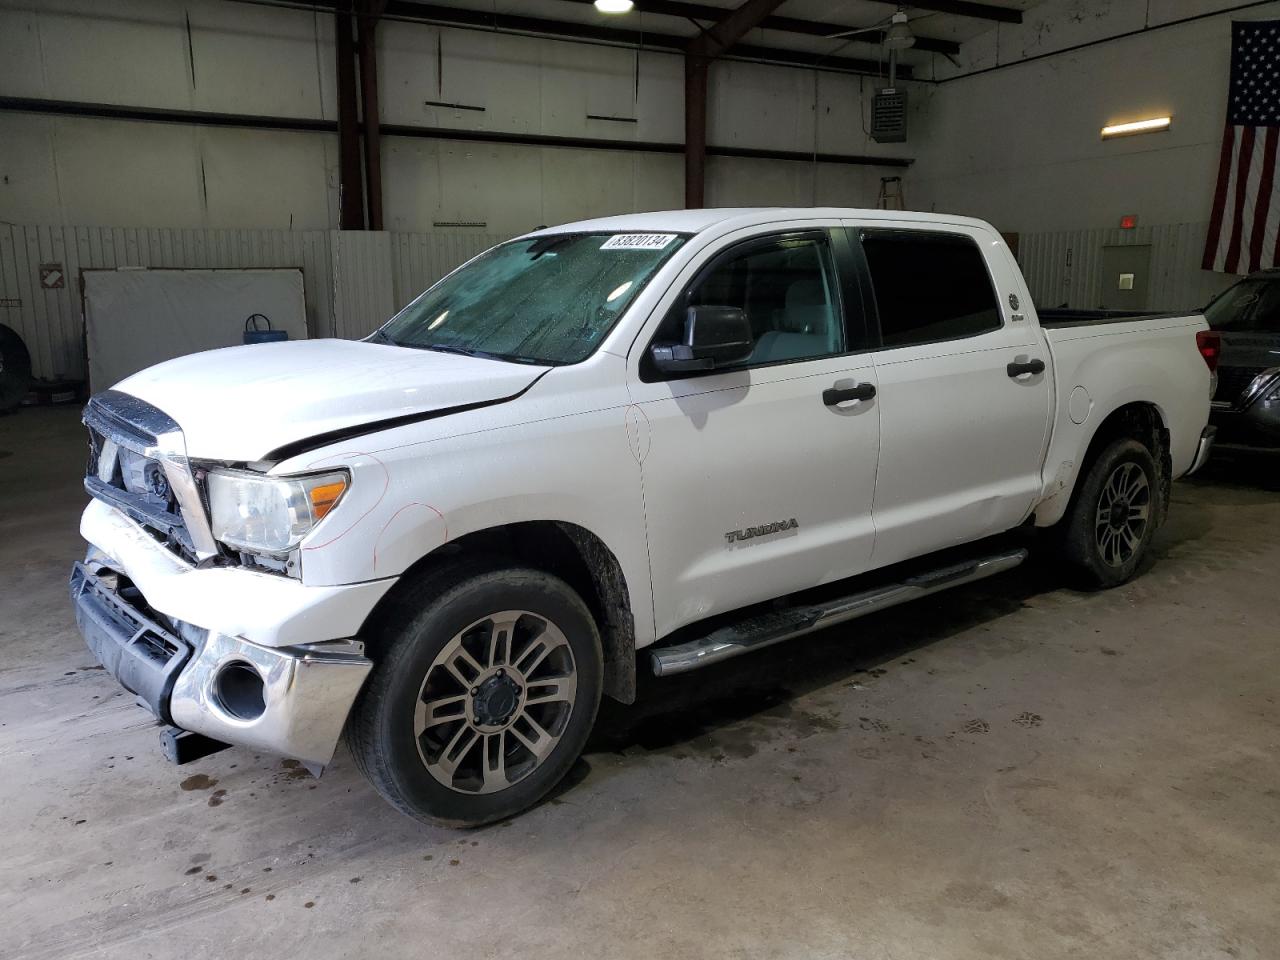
1250, 305
929, 286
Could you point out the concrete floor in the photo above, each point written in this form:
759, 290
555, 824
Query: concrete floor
1009, 770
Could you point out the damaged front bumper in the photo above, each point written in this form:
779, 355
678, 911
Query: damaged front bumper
291, 701
274, 689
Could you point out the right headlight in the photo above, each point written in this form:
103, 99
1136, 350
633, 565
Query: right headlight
263, 514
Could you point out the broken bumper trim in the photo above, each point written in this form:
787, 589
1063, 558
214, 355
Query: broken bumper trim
306, 690
142, 655
307, 693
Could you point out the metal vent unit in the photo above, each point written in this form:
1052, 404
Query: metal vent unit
889, 116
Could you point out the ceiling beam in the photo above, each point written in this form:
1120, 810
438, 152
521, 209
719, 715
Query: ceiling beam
414, 12
727, 31
114, 111
967, 8
810, 28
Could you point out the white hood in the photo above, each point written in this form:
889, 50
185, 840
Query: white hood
240, 403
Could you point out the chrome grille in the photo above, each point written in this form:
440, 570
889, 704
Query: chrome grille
138, 464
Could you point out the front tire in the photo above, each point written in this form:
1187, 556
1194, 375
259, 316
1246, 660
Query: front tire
1114, 515
482, 696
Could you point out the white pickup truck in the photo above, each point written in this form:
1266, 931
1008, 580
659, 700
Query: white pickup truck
690, 433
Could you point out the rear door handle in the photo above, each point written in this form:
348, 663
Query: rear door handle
833, 395
1017, 369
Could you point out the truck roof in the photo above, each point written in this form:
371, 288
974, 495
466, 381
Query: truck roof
696, 221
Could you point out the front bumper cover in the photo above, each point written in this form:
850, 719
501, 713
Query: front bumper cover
173, 669
135, 648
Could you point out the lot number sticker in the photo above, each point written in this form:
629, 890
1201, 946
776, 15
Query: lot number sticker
638, 241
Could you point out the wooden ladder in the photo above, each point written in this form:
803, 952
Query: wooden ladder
890, 196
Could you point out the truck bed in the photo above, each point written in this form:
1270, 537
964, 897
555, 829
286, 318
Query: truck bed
1084, 318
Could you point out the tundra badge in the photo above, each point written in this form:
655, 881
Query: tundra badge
735, 536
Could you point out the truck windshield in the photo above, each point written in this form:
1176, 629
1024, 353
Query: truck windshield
544, 300
1250, 305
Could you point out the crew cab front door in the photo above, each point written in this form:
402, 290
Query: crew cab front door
759, 477
964, 384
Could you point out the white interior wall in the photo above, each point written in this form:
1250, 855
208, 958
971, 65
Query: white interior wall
1018, 143
240, 58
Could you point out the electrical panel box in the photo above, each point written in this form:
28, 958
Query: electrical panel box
889, 116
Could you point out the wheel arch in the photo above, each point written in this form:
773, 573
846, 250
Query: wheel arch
566, 550
1140, 420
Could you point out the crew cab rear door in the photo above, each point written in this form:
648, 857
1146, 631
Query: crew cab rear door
964, 381
759, 476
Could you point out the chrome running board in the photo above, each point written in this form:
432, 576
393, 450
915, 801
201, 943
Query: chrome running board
774, 626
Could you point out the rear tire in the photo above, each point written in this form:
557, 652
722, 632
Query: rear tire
1113, 516
485, 688
15, 369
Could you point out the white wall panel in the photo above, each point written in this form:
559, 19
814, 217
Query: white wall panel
274, 62
50, 321
580, 184
268, 178
443, 181
1020, 145
245, 58
752, 105
29, 187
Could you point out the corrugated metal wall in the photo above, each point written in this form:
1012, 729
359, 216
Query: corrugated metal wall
51, 321
353, 280
363, 295
1066, 267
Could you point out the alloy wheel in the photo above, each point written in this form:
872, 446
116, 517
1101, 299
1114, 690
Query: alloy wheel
495, 702
1124, 509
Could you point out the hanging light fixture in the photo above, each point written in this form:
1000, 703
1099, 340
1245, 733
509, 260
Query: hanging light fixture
899, 35
614, 6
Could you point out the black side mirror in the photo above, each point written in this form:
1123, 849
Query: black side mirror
712, 336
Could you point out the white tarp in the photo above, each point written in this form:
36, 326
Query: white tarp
137, 318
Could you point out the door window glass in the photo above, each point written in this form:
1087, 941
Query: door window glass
786, 288
929, 287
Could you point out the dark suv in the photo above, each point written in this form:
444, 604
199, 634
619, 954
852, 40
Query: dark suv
1246, 401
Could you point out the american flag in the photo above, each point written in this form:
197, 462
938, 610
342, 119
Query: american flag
1246, 207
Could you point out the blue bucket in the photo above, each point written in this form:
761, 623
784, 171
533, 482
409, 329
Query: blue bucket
255, 332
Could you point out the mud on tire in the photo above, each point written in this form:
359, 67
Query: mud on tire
1113, 516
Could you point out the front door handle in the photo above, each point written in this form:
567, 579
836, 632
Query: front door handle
833, 395
1017, 369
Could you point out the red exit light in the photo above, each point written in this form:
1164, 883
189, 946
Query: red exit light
1128, 221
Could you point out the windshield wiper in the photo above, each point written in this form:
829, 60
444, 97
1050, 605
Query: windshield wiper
482, 354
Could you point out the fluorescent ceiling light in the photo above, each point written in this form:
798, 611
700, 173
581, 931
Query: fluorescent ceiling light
614, 6
1138, 126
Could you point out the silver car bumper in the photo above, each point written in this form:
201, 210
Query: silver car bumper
291, 700
306, 694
